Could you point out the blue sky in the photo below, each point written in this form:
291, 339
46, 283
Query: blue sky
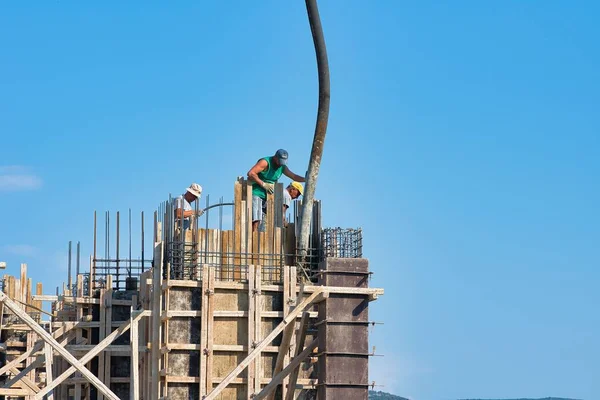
463, 138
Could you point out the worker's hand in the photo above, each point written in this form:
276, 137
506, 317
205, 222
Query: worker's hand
199, 213
269, 187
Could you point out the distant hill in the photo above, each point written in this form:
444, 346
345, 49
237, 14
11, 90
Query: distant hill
545, 398
376, 395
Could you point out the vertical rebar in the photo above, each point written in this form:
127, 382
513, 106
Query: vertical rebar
93, 266
117, 259
142, 242
69, 282
107, 249
193, 270
78, 260
129, 274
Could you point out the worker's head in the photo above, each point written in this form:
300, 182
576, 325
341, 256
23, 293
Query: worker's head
193, 192
295, 190
281, 157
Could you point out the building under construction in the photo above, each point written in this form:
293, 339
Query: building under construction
207, 313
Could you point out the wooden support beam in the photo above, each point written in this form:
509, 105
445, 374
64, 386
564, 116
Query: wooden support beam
49, 359
21, 376
290, 297
284, 348
210, 327
134, 392
203, 331
345, 290
156, 305
251, 331
101, 336
14, 392
165, 322
79, 332
93, 352
300, 339
264, 343
258, 305
34, 349
23, 284
287, 370
56, 346
108, 303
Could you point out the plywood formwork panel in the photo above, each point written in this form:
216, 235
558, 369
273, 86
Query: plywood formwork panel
230, 300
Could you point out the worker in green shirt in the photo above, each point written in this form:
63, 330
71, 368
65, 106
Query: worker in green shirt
265, 174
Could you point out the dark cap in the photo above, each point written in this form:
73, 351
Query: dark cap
282, 156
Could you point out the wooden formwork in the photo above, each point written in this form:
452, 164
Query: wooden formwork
232, 331
200, 338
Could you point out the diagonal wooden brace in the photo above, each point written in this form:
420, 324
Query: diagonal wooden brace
56, 346
300, 338
318, 295
277, 379
92, 353
21, 376
39, 345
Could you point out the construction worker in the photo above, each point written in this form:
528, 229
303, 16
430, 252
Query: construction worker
265, 174
183, 207
292, 192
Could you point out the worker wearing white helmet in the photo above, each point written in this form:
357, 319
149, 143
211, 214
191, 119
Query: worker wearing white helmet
183, 207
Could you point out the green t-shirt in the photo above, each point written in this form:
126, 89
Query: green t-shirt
270, 175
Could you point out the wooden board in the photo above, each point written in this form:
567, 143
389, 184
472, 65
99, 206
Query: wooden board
210, 327
258, 305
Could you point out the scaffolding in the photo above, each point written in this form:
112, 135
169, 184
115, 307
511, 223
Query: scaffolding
212, 313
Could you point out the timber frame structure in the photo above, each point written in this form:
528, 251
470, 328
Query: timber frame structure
218, 314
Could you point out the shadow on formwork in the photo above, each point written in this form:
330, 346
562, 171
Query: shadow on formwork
216, 311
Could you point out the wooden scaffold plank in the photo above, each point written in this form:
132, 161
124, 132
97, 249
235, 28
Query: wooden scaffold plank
203, 331
210, 328
156, 341
108, 301
49, 358
257, 325
283, 355
251, 331
237, 228
134, 384
79, 331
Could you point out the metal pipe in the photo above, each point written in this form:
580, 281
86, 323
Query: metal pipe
217, 205
321, 125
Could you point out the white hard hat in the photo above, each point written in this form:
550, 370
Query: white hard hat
195, 189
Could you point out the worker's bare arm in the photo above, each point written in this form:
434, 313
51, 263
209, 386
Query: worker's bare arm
260, 166
185, 213
285, 208
293, 176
